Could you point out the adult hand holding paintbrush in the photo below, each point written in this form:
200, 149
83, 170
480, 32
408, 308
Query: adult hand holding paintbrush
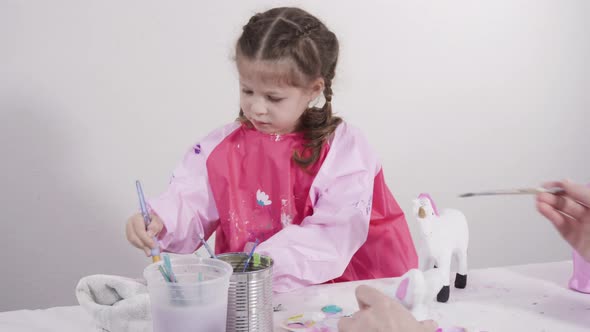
569, 211
565, 204
142, 229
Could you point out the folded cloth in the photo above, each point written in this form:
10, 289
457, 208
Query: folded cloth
117, 304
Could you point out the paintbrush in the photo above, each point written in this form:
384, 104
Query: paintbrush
155, 252
207, 247
250, 256
519, 191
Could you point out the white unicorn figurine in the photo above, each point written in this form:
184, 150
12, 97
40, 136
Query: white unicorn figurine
443, 236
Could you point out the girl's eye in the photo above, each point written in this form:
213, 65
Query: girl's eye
246, 92
274, 99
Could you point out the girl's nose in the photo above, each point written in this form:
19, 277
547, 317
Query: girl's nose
259, 108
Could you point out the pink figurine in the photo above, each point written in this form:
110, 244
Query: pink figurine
580, 280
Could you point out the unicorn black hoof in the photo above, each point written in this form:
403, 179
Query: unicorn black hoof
443, 295
460, 281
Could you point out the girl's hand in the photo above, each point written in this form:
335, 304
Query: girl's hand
137, 234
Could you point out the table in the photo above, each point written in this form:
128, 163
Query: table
530, 297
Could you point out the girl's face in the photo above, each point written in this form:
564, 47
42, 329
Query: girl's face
272, 106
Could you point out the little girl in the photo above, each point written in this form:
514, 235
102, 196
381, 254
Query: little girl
299, 180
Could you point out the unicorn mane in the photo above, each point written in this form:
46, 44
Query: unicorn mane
427, 196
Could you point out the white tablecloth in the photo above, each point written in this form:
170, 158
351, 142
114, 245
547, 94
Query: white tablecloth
520, 298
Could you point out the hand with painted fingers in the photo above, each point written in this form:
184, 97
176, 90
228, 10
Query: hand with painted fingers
378, 313
569, 211
137, 234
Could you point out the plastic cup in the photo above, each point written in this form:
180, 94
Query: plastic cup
197, 302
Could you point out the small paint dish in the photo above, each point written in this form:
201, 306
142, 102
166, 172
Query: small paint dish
331, 309
303, 322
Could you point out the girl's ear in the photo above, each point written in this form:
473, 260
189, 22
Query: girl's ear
316, 88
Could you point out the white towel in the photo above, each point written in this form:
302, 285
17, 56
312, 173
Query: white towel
117, 304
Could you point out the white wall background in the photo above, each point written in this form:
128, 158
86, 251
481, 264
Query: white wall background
455, 95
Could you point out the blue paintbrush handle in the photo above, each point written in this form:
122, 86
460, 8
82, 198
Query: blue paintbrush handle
155, 252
